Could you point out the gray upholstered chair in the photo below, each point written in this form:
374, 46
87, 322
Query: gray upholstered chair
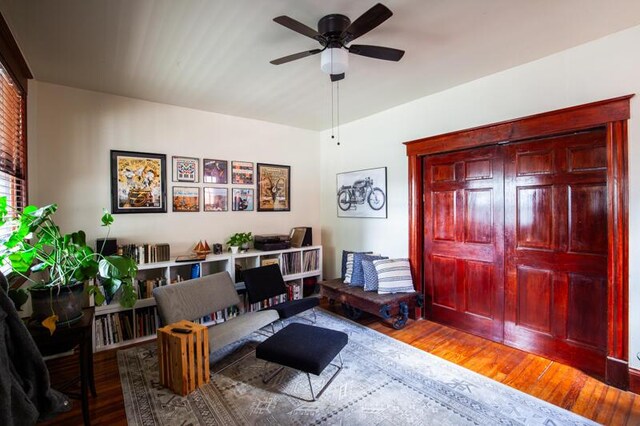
193, 299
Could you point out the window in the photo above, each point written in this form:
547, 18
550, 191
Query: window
13, 150
14, 74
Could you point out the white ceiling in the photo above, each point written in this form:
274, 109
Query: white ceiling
214, 55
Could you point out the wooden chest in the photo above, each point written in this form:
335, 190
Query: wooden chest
183, 359
355, 300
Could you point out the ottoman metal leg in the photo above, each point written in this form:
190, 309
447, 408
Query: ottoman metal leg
267, 379
315, 397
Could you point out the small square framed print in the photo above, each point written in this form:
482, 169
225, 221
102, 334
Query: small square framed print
214, 171
242, 172
242, 199
216, 199
186, 199
185, 169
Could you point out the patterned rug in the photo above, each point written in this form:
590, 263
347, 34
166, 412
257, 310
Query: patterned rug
384, 382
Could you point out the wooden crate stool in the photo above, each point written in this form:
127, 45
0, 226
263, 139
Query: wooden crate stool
183, 358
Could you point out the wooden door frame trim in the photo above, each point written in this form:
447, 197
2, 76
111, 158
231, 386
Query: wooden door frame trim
611, 114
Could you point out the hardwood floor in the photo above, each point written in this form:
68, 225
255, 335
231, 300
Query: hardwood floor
548, 380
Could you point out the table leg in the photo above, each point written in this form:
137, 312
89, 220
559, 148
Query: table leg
92, 383
84, 381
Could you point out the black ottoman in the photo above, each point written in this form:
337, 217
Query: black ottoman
304, 347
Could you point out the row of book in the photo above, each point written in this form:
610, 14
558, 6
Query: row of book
146, 253
311, 260
294, 292
119, 327
290, 263
220, 316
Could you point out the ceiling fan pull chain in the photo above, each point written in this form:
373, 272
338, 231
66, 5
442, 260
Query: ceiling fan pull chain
332, 115
338, 108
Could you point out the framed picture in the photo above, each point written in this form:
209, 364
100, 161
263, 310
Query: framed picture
138, 182
214, 171
186, 199
185, 169
274, 183
242, 199
242, 172
216, 199
362, 193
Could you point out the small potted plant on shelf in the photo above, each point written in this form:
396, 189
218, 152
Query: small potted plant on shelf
239, 240
56, 266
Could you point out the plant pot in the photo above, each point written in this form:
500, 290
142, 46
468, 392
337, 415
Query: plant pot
244, 247
66, 302
234, 249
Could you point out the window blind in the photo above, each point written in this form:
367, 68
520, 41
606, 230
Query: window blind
13, 150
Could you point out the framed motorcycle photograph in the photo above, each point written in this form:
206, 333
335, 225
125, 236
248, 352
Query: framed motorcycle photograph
362, 193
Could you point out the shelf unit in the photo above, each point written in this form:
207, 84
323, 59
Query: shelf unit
298, 265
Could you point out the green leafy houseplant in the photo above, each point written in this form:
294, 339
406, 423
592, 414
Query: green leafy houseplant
239, 238
36, 244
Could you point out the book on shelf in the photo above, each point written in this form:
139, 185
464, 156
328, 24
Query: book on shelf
269, 261
310, 260
191, 257
146, 253
290, 263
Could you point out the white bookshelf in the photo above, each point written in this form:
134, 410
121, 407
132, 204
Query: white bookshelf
301, 263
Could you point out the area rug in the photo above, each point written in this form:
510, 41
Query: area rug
384, 382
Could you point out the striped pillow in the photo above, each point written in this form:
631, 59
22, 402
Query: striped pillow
394, 276
349, 269
343, 271
349, 266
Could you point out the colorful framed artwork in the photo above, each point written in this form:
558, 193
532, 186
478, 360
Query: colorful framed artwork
242, 199
214, 171
185, 169
362, 193
186, 199
274, 185
138, 182
242, 172
215, 199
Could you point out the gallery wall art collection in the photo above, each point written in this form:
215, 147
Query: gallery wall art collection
139, 184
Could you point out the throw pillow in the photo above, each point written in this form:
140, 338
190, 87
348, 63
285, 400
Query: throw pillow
349, 269
394, 276
357, 277
370, 273
349, 266
345, 253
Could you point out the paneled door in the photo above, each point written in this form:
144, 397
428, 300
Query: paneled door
464, 240
556, 248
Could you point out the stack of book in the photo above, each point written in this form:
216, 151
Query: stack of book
146, 253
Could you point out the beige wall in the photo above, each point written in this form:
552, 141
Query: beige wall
71, 132
602, 69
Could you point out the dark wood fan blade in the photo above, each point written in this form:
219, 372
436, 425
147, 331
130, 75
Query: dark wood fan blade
366, 22
299, 27
378, 52
295, 56
336, 77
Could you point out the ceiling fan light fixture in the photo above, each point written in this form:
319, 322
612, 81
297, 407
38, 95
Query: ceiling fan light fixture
334, 60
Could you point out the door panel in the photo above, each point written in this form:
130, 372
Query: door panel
464, 240
556, 248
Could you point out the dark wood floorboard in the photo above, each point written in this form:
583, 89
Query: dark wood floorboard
545, 379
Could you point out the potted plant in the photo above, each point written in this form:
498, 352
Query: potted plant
239, 240
56, 266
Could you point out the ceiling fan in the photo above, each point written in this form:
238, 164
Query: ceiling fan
334, 33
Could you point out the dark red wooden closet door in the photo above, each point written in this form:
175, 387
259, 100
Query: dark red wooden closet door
464, 240
556, 248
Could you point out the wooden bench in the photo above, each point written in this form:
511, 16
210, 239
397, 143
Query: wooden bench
355, 300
